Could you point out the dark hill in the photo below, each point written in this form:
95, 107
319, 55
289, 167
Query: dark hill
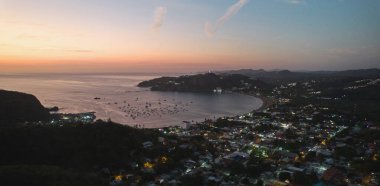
20, 107
202, 82
369, 73
286, 75
72, 154
85, 146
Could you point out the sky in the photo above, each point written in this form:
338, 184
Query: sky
188, 35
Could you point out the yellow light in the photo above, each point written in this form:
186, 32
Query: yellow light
375, 157
164, 159
148, 165
366, 179
118, 178
296, 158
323, 142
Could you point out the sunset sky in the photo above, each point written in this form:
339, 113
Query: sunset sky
188, 35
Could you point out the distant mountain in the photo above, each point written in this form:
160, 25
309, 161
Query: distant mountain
293, 75
20, 107
373, 72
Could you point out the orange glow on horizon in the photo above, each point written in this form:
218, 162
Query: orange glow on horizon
53, 35
50, 46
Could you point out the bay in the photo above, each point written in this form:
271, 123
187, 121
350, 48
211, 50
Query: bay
119, 98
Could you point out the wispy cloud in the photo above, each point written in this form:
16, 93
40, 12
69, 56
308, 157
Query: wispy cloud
294, 1
210, 29
78, 50
6, 46
159, 17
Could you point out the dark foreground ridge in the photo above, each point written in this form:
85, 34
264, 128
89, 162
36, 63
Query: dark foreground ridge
81, 154
21, 107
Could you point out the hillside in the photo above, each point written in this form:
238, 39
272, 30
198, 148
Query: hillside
202, 83
21, 107
286, 75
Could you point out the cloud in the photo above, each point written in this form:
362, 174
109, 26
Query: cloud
159, 17
295, 1
210, 29
78, 50
6, 46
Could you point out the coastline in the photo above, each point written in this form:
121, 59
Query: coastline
267, 102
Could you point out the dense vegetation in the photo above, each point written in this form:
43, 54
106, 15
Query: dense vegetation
201, 82
281, 76
44, 153
81, 146
40, 175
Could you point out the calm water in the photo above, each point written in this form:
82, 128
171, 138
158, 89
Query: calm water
125, 103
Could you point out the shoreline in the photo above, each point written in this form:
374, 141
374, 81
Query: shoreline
267, 102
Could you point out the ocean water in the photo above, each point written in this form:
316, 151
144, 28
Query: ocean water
122, 101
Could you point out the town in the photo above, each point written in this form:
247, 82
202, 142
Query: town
282, 144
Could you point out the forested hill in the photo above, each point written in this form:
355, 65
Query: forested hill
202, 83
287, 75
21, 107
